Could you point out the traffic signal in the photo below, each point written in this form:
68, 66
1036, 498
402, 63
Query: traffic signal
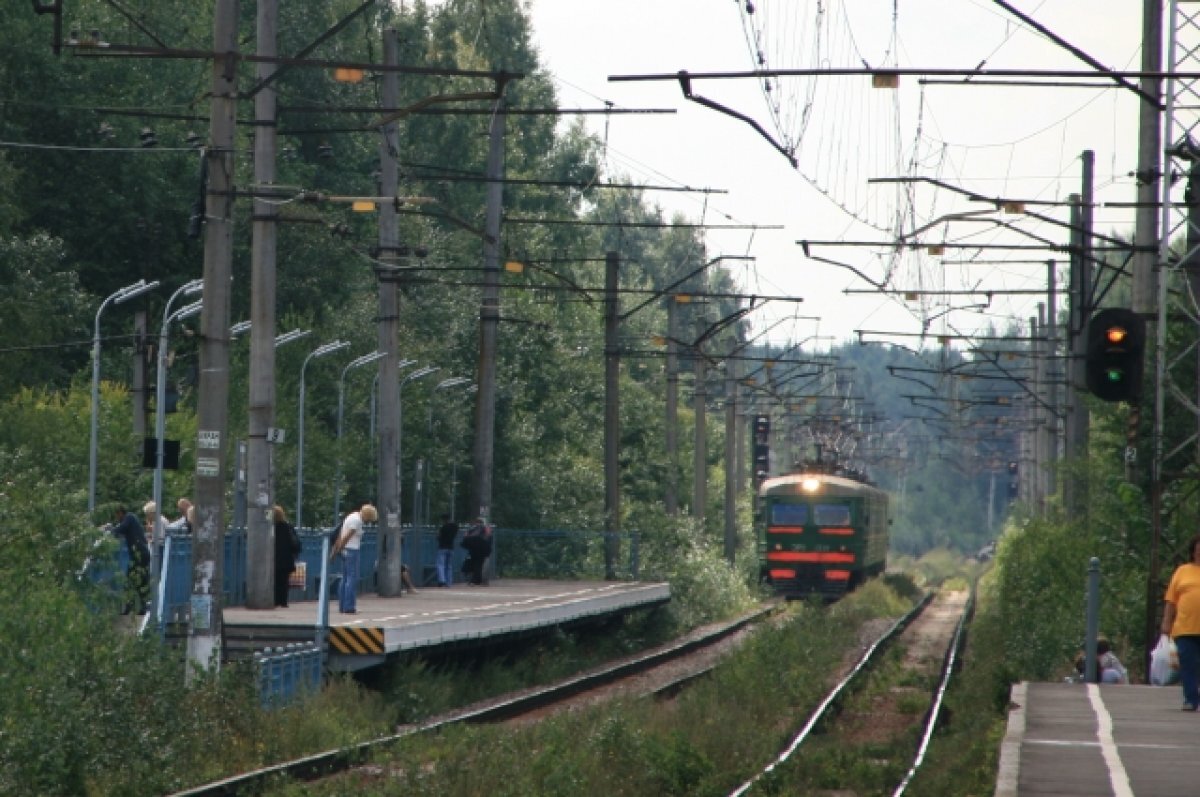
762, 428
1116, 344
1012, 467
762, 462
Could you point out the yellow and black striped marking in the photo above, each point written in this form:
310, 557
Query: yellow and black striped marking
355, 640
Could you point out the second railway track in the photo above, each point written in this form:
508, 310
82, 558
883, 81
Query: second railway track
663, 672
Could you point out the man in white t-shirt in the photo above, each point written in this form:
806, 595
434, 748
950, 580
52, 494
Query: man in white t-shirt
347, 544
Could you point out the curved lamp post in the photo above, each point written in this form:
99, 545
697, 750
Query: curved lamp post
160, 387
417, 374
454, 471
239, 481
358, 362
158, 532
321, 351
374, 398
453, 381
124, 294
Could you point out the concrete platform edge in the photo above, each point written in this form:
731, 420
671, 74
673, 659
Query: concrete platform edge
1009, 769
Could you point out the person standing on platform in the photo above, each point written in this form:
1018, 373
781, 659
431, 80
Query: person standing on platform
347, 544
446, 536
478, 542
183, 523
156, 535
287, 548
155, 525
137, 574
1181, 620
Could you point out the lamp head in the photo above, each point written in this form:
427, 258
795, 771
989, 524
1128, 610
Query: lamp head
136, 289
330, 347
189, 311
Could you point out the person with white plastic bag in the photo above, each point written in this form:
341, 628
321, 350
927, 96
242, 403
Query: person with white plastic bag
1164, 662
1181, 620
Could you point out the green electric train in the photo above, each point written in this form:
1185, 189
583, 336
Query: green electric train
820, 534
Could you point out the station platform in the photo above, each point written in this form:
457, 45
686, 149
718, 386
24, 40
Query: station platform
1076, 740
435, 617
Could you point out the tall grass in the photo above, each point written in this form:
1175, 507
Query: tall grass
702, 743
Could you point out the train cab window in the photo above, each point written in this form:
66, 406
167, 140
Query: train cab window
789, 514
831, 514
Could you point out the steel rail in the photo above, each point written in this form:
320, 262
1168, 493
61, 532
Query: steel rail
831, 699
331, 762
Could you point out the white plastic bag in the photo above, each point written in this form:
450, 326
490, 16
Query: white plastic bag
1163, 660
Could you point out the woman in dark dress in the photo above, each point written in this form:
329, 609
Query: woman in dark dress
287, 548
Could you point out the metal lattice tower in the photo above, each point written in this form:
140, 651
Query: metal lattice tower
1176, 449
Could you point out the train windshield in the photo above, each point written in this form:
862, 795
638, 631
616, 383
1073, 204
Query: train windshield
831, 514
789, 514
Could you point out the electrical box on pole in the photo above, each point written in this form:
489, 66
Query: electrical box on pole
1116, 344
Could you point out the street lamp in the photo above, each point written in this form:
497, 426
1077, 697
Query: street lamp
454, 470
417, 374
320, 351
453, 381
366, 359
288, 337
160, 399
124, 294
239, 482
374, 398
375, 392
160, 402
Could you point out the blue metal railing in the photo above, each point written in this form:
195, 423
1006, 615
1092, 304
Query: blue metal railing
516, 553
287, 672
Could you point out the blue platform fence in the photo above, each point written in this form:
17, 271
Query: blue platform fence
516, 553
287, 672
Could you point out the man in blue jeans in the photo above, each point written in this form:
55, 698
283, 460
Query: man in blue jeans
446, 535
348, 544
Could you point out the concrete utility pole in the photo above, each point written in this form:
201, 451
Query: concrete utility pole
612, 414
671, 500
213, 414
388, 473
1077, 412
731, 419
1043, 418
260, 526
489, 314
700, 449
1054, 375
1149, 168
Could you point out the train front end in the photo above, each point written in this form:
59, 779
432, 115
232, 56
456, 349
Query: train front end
820, 534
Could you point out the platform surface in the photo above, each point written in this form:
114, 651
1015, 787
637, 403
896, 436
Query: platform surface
437, 616
1073, 740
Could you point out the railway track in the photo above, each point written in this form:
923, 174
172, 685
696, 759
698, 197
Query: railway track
931, 635
676, 664
931, 632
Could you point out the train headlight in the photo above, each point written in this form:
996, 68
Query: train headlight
810, 485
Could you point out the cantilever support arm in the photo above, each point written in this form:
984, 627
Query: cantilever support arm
685, 84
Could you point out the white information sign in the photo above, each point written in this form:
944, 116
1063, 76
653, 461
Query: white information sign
207, 466
208, 439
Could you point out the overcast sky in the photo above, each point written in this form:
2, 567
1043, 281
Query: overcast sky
1012, 142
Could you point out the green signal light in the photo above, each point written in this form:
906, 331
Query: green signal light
1114, 375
